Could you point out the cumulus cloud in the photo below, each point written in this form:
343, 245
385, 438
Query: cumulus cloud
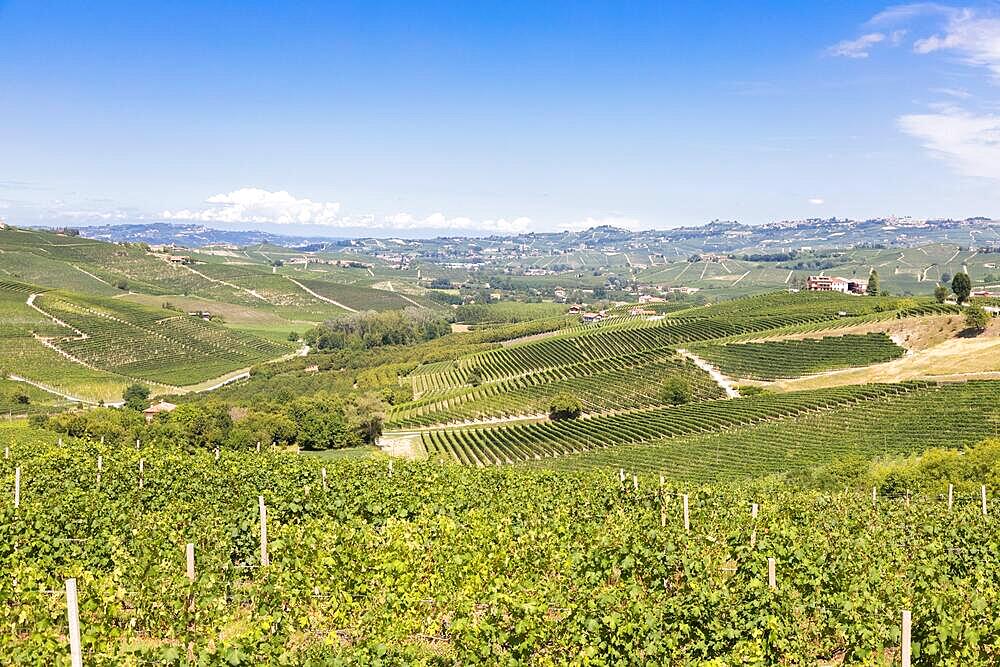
259, 206
816, 200
967, 141
254, 205
856, 48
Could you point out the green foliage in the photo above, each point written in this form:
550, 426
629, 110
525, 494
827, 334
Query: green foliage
976, 319
675, 391
373, 329
136, 396
961, 285
424, 568
874, 288
565, 406
940, 293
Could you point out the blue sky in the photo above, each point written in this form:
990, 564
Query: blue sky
421, 118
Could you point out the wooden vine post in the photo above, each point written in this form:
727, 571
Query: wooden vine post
687, 515
264, 558
142, 465
324, 477
754, 509
17, 487
772, 579
984, 499
73, 614
951, 496
100, 467
904, 644
190, 561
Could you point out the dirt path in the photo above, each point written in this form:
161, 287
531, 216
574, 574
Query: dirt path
227, 284
405, 444
720, 379
321, 297
56, 392
403, 296
98, 279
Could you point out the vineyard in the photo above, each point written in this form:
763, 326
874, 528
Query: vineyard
949, 415
151, 344
618, 383
365, 563
498, 445
794, 358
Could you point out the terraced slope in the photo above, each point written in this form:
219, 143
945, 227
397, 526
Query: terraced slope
903, 422
525, 442
148, 343
793, 358
25, 356
619, 383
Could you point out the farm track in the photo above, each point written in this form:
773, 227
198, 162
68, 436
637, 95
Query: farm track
320, 296
715, 373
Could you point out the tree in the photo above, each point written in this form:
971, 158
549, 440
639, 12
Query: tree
475, 377
136, 396
976, 319
961, 286
21, 397
940, 293
675, 391
565, 406
873, 284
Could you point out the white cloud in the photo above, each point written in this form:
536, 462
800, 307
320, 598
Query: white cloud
255, 205
968, 142
817, 201
975, 37
856, 48
259, 206
908, 12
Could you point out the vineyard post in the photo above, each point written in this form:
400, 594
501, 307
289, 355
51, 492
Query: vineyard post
984, 499
73, 612
324, 478
60, 441
258, 446
264, 559
687, 515
100, 467
951, 495
142, 463
6, 453
904, 648
874, 495
17, 487
635, 482
190, 561
621, 477
102, 439
137, 444
390, 467
753, 515
772, 579
216, 454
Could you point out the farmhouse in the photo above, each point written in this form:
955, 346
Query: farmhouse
649, 298
178, 259
836, 284
153, 410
